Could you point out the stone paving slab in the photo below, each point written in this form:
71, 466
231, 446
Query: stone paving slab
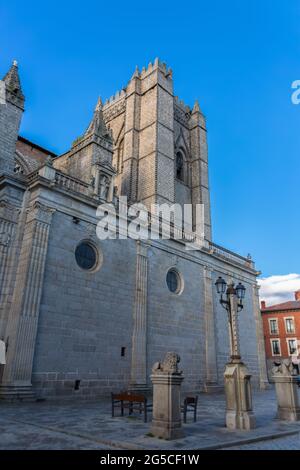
89, 425
284, 443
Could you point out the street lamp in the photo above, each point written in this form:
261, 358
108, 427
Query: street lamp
233, 303
239, 414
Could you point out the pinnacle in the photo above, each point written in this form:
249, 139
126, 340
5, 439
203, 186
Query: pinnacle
136, 73
97, 124
196, 108
99, 105
12, 79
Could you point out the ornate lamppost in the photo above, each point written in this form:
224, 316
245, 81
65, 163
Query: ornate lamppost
239, 414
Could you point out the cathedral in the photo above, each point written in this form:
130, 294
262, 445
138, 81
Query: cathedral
84, 317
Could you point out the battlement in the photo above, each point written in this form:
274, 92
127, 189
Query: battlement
157, 64
182, 105
114, 98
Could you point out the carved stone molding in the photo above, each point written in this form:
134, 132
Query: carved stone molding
39, 211
9, 211
114, 111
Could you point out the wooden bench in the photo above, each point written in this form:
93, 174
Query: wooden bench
190, 405
132, 401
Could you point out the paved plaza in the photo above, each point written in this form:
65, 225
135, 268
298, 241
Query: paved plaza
89, 425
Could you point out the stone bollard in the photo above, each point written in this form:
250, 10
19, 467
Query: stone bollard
166, 379
286, 391
239, 414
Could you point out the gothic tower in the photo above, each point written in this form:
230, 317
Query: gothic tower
160, 144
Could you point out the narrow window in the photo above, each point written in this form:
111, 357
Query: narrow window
179, 166
289, 325
275, 347
273, 326
123, 351
292, 346
77, 385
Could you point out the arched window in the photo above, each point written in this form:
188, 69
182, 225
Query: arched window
179, 166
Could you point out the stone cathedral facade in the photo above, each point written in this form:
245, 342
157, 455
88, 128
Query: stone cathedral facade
82, 316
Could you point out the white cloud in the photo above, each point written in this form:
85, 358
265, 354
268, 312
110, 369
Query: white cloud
277, 289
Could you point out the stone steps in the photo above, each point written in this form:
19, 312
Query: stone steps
17, 393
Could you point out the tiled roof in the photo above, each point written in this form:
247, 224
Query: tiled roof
291, 305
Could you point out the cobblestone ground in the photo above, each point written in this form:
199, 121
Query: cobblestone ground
86, 425
283, 443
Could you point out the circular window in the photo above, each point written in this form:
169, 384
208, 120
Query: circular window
86, 256
173, 281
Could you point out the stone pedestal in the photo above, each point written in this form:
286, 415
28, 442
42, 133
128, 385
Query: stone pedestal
239, 414
166, 379
287, 392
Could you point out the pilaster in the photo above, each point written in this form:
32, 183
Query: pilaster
139, 335
9, 214
199, 156
23, 318
131, 139
211, 380
262, 363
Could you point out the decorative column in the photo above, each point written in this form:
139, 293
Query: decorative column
262, 363
211, 381
167, 379
9, 214
138, 380
234, 328
24, 314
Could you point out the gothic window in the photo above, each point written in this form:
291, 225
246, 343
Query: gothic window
86, 256
179, 166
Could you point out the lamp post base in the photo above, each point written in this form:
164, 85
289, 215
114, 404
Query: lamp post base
239, 414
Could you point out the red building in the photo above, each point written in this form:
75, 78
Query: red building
281, 325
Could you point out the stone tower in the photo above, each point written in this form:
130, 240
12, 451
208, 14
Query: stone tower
160, 147
11, 110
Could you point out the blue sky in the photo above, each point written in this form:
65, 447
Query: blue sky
238, 58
